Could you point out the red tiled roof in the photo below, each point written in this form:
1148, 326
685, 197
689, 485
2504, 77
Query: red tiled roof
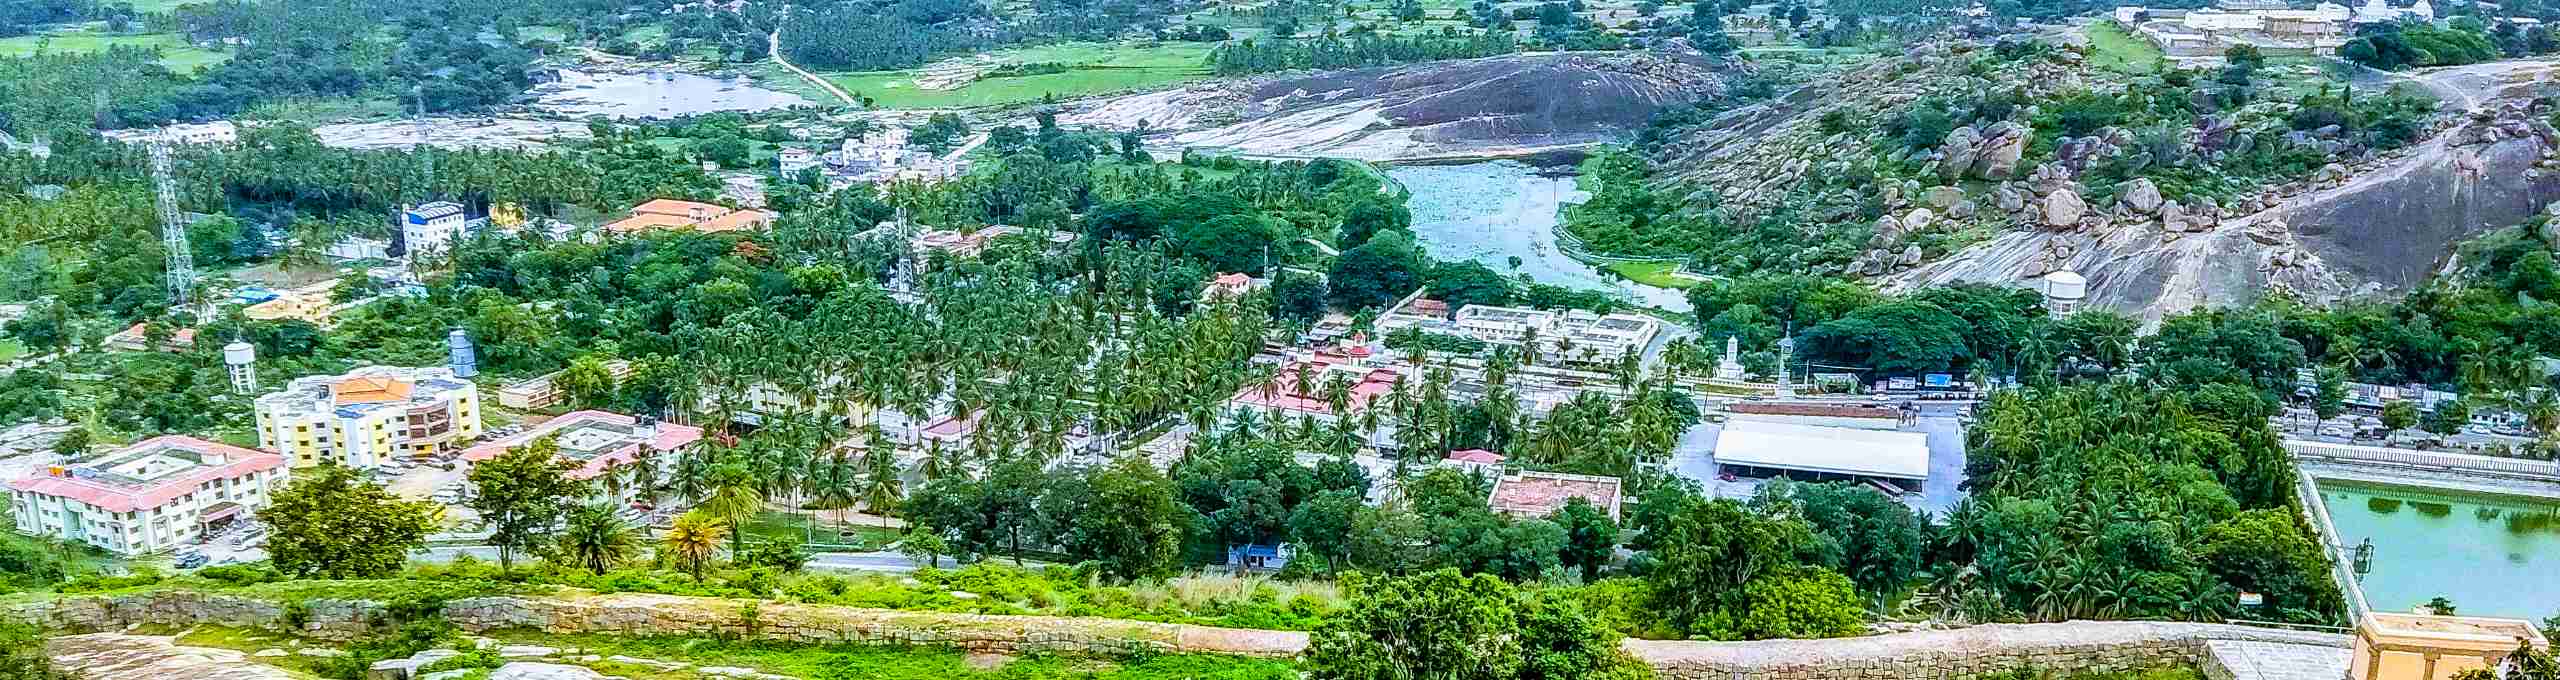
237, 462
669, 436
1539, 494
1284, 394
1475, 456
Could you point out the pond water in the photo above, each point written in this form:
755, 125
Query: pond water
1494, 211
2491, 555
655, 94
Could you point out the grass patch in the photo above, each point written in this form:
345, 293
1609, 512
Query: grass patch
1093, 69
846, 662
2110, 47
802, 528
252, 641
11, 349
1656, 274
163, 6
174, 51
550, 33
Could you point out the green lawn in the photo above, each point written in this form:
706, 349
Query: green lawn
174, 52
1098, 68
163, 6
798, 527
2112, 48
11, 349
1657, 274
551, 33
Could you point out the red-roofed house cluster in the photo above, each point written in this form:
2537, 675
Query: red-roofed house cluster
599, 441
152, 496
1305, 385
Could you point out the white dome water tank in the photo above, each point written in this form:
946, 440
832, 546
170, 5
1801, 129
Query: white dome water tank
242, 359
2065, 290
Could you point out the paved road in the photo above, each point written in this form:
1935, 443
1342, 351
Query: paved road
883, 562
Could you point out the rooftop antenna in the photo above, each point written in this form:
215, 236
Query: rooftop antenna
173, 226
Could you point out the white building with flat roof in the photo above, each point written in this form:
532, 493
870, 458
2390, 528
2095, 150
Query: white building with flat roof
1761, 448
1503, 325
1600, 339
368, 416
152, 496
432, 227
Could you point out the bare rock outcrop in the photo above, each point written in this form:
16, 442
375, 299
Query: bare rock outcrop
2063, 209
1509, 105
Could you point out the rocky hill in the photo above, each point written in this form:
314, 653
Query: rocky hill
1496, 106
2166, 190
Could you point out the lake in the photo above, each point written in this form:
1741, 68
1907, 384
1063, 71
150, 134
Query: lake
1494, 211
655, 94
2491, 555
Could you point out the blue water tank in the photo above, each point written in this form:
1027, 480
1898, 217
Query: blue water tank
459, 355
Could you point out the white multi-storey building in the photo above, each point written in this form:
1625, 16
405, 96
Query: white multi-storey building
432, 227
1503, 325
1574, 336
369, 415
1581, 336
152, 496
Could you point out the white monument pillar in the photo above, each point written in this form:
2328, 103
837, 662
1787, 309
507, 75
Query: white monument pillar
1731, 367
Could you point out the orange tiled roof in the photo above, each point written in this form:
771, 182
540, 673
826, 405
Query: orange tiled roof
742, 219
369, 390
676, 208
643, 221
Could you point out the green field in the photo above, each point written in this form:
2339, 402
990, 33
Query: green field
820, 528
174, 52
1657, 274
11, 349
1096, 68
162, 6
2112, 48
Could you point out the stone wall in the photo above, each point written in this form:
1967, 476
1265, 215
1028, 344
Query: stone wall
324, 619
1961, 654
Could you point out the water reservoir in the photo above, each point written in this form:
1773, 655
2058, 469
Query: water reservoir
2492, 555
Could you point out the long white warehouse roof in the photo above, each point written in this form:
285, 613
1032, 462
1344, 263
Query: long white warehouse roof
1818, 448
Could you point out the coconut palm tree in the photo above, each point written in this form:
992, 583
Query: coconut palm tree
643, 480
882, 488
694, 541
735, 498
596, 538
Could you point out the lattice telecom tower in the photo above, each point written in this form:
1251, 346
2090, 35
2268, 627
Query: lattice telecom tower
173, 226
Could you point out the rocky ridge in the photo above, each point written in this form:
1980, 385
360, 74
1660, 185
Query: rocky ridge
1987, 203
1495, 106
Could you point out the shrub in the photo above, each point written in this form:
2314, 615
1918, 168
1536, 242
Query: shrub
238, 575
99, 583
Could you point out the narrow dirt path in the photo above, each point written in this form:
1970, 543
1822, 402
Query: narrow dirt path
773, 48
